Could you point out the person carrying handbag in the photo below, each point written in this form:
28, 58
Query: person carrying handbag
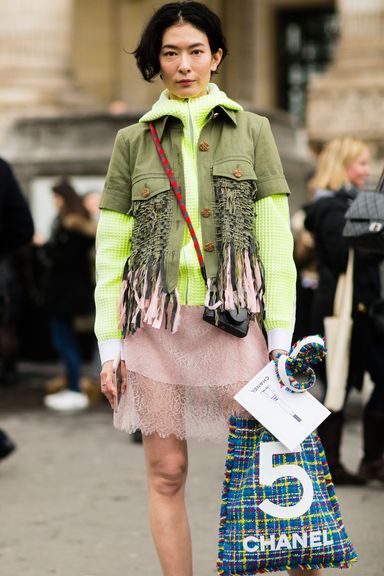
342, 170
232, 262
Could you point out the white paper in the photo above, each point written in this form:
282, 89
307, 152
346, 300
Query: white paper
290, 417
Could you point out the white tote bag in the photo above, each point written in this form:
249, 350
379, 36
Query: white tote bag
338, 331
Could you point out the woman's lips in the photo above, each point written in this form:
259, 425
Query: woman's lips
185, 82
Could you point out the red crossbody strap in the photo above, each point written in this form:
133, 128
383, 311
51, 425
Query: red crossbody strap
177, 191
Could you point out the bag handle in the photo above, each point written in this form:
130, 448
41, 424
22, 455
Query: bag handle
309, 350
179, 198
342, 306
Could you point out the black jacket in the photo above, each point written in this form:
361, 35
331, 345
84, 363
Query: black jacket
325, 219
16, 225
69, 279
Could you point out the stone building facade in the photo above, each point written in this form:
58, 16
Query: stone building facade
66, 69
349, 97
74, 54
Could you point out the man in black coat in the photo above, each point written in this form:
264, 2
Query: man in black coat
16, 230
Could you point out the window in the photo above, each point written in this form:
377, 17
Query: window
306, 42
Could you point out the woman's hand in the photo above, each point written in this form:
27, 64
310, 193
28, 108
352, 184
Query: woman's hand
110, 381
275, 353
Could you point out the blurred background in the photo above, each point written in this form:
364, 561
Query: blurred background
68, 82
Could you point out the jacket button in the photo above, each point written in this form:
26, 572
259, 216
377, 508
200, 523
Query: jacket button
204, 146
209, 247
206, 212
145, 192
238, 172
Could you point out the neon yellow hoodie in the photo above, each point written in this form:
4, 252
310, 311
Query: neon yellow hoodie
271, 230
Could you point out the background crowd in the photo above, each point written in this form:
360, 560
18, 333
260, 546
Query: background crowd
46, 292
322, 256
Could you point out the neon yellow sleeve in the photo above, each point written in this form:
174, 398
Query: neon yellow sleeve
113, 238
272, 229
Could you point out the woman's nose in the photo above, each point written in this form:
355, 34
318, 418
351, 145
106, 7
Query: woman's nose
184, 64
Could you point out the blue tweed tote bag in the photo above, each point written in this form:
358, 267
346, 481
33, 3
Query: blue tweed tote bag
279, 508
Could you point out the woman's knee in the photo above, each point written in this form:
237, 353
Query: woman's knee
167, 476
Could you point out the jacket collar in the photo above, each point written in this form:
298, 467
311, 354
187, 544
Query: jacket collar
207, 106
162, 122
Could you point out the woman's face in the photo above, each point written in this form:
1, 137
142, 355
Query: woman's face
186, 61
358, 171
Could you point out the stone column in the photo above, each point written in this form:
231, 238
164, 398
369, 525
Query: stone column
349, 97
35, 57
237, 74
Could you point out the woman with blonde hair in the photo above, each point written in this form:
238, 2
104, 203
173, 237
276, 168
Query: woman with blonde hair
342, 170
343, 163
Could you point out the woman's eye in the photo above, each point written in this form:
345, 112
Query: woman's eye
197, 51
169, 53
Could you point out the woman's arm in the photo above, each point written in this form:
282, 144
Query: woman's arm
272, 230
113, 237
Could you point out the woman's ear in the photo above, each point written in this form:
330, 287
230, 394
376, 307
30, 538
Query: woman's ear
216, 59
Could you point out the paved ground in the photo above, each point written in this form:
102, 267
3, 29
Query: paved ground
72, 499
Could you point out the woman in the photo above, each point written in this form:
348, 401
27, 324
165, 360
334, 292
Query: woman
69, 287
181, 380
341, 171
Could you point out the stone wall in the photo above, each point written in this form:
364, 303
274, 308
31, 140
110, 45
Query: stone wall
349, 97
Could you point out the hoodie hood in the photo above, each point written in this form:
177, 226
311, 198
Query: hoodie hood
197, 107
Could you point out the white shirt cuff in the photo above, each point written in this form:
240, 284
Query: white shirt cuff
279, 339
109, 349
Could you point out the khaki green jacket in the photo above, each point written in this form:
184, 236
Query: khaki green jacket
235, 145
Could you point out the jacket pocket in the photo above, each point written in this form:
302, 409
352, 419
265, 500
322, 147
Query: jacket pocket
149, 194
235, 178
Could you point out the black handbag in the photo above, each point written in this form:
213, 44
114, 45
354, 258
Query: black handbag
235, 322
364, 226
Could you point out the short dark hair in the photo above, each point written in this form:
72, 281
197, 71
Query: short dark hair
195, 13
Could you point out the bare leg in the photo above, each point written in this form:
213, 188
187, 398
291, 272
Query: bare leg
166, 461
304, 572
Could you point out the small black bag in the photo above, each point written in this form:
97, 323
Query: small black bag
232, 321
364, 227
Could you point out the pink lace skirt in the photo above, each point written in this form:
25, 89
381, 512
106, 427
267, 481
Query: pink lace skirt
183, 383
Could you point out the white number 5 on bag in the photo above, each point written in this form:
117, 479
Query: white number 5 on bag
268, 474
